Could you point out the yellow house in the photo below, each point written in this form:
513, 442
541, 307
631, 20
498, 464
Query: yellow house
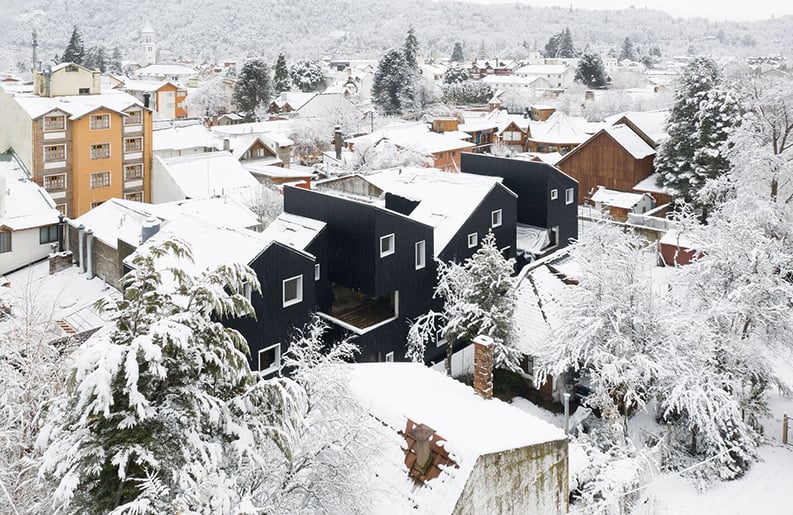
82, 148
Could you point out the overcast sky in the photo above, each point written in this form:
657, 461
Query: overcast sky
711, 9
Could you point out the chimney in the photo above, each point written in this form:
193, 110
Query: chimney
483, 366
337, 141
421, 434
226, 145
148, 229
61, 232
89, 253
3, 194
146, 97
81, 246
526, 113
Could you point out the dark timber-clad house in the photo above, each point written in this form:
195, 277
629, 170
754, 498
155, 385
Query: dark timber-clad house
547, 212
384, 232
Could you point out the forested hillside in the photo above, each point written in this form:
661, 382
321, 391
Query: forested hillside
211, 30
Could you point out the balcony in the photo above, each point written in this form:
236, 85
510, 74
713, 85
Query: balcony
360, 313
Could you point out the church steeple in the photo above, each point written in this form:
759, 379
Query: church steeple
149, 45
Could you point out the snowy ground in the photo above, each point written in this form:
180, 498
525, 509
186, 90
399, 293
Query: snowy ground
765, 489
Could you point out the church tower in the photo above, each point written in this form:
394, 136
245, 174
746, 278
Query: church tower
149, 47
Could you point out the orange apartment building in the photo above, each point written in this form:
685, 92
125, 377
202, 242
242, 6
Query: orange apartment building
166, 98
84, 147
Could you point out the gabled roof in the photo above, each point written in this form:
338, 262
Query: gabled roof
650, 124
76, 106
295, 99
618, 199
560, 129
146, 85
61, 66
27, 205
293, 230
630, 141
209, 174
395, 393
414, 136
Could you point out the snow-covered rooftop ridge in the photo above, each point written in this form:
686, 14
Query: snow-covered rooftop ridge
293, 230
27, 205
542, 69
164, 69
651, 123
446, 200
179, 138
470, 425
295, 99
414, 136
208, 174
76, 106
537, 311
630, 141
619, 199
560, 128
650, 185
144, 85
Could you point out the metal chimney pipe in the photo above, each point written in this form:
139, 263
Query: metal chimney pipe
81, 246
89, 244
337, 141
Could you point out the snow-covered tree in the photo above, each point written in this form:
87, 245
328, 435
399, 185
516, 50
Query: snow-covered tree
266, 202
281, 79
467, 92
75, 50
252, 90
393, 86
561, 45
628, 53
210, 99
591, 71
162, 411
457, 53
478, 298
384, 154
454, 75
410, 49
115, 61
307, 75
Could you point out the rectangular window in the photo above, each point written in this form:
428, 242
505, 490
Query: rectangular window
568, 196
84, 91
554, 194
100, 151
5, 241
270, 359
100, 121
133, 172
316, 272
135, 196
133, 144
473, 239
54, 152
293, 290
389, 358
421, 257
54, 123
97, 204
387, 245
48, 234
439, 339
100, 180
55, 182
495, 218
134, 118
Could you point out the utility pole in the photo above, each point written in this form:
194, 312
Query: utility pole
35, 51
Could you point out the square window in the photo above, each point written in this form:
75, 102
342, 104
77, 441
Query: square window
389, 358
132, 172
554, 194
473, 239
54, 152
568, 196
270, 359
421, 254
100, 151
5, 241
48, 234
100, 180
316, 272
495, 218
293, 290
99, 121
54, 123
133, 144
387, 245
55, 182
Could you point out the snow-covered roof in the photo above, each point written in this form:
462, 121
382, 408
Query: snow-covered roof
27, 205
209, 174
145, 85
619, 199
155, 70
446, 200
256, 168
470, 426
560, 129
537, 312
76, 106
677, 239
542, 69
531, 239
651, 123
550, 158
650, 185
414, 136
630, 141
295, 99
293, 230
180, 138
510, 79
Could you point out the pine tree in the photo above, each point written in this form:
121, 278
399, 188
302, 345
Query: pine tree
627, 53
701, 119
115, 61
75, 51
281, 80
454, 75
411, 49
307, 75
561, 45
591, 71
252, 90
393, 87
163, 411
457, 53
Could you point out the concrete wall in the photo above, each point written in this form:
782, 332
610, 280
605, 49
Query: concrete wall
25, 249
16, 129
530, 481
163, 187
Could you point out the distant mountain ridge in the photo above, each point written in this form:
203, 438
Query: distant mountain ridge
209, 30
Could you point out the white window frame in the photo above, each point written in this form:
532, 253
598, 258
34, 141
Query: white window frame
276, 362
569, 196
44, 181
554, 194
299, 298
133, 177
50, 159
389, 357
496, 218
421, 254
392, 249
51, 116
102, 174
440, 341
130, 120
97, 117
91, 154
473, 240
317, 272
134, 196
133, 139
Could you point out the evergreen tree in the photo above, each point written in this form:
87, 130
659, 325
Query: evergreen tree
95, 59
454, 75
252, 90
628, 53
115, 61
457, 53
411, 49
702, 117
561, 45
393, 87
591, 71
75, 51
307, 75
281, 80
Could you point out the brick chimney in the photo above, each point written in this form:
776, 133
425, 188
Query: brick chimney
483, 366
337, 141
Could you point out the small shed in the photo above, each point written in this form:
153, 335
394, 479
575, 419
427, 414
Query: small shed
677, 249
620, 203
